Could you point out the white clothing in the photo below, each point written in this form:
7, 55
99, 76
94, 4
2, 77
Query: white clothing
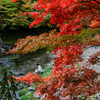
39, 69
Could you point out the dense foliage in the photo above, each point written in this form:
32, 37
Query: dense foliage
52, 40
71, 17
11, 14
30, 78
71, 82
7, 84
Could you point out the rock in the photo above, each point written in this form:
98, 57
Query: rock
42, 97
31, 89
26, 84
2, 51
3, 48
1, 42
0, 63
28, 93
17, 95
6, 47
21, 86
98, 97
20, 74
36, 95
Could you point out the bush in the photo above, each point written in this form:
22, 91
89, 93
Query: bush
7, 84
11, 14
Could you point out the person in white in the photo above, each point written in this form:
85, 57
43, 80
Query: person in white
39, 69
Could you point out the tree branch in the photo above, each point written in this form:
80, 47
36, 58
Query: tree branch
97, 1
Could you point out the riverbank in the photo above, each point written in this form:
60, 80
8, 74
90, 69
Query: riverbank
86, 55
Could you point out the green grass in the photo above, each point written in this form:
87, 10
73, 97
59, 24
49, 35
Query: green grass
47, 71
23, 92
25, 97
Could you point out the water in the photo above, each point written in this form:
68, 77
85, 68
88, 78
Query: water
22, 64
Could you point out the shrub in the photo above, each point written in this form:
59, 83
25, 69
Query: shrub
11, 14
69, 16
7, 84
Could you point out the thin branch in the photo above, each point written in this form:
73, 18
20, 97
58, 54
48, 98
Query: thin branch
79, 2
97, 1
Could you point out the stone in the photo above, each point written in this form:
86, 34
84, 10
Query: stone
3, 50
31, 89
42, 97
20, 86
7, 47
17, 95
98, 97
29, 92
26, 84
20, 74
36, 95
1, 42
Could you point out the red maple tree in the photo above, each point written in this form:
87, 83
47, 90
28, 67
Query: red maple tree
71, 16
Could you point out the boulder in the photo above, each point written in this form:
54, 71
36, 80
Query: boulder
1, 42
4, 47
36, 95
28, 93
31, 89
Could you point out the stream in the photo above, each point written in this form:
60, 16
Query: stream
22, 64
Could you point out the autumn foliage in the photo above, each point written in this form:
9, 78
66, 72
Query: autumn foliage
72, 17
30, 78
69, 84
94, 58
